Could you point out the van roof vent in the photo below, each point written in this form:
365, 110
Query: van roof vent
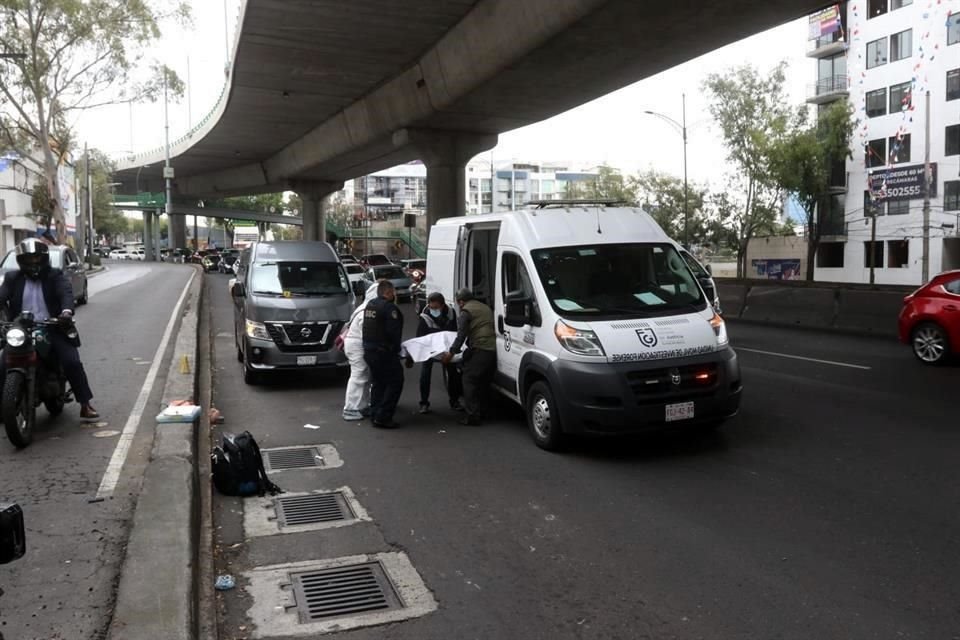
588, 202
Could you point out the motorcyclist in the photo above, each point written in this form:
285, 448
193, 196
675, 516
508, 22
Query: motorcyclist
46, 292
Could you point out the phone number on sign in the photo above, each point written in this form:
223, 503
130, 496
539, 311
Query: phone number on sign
897, 192
661, 355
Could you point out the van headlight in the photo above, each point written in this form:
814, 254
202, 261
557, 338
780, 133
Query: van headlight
581, 342
257, 330
16, 337
719, 329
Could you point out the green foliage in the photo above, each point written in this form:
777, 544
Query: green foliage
609, 184
42, 204
752, 113
79, 54
661, 195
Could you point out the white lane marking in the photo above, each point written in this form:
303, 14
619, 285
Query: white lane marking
792, 357
112, 475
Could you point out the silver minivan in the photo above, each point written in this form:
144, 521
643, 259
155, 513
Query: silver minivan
291, 299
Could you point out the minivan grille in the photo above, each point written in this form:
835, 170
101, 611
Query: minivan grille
656, 385
309, 336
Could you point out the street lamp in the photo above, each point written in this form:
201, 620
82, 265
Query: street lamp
682, 128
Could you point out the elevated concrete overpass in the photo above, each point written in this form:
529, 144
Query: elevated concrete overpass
322, 91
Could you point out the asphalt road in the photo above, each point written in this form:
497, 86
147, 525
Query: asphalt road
64, 587
826, 509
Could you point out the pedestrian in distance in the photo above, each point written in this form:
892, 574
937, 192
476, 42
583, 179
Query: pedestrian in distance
475, 327
356, 404
382, 337
438, 316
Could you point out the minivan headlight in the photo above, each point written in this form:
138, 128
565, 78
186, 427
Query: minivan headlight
581, 342
16, 337
719, 329
257, 330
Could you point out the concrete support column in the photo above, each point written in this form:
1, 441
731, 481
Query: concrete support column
156, 236
147, 234
314, 198
177, 231
445, 154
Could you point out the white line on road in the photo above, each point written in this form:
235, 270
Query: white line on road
787, 355
112, 475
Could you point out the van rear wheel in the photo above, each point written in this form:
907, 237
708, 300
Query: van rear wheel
543, 418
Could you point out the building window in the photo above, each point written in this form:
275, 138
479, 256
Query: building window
899, 149
901, 96
877, 103
876, 8
877, 254
898, 207
898, 254
952, 145
953, 29
901, 45
953, 84
899, 4
485, 185
951, 195
474, 185
876, 151
830, 255
831, 70
876, 53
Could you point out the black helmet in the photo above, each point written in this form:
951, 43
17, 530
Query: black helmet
33, 256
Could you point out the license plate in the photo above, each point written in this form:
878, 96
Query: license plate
306, 361
679, 411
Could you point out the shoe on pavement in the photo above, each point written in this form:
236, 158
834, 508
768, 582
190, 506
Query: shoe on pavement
88, 413
352, 416
385, 425
424, 407
456, 406
470, 422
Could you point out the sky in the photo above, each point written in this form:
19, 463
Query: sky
612, 129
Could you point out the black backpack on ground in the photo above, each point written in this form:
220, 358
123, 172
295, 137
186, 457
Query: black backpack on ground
238, 467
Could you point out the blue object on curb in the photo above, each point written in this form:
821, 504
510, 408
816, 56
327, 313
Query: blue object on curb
224, 583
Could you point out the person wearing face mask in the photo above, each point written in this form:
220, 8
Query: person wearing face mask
436, 317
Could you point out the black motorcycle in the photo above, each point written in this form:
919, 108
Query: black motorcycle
34, 375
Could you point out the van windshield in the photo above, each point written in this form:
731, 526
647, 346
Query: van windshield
617, 279
299, 279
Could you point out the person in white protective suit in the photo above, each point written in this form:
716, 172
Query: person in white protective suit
356, 405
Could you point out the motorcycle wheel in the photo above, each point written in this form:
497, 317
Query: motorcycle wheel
18, 417
55, 405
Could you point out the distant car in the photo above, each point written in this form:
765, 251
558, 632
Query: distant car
704, 276
210, 262
930, 319
357, 276
226, 262
119, 254
415, 266
63, 258
401, 281
375, 260
137, 254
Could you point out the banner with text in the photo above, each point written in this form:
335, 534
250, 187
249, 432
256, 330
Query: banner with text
901, 183
824, 22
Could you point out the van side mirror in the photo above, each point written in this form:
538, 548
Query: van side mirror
237, 290
521, 310
709, 269
708, 289
13, 538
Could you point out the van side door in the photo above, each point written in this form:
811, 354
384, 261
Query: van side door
516, 315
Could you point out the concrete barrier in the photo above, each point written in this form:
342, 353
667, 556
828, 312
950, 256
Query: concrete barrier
156, 595
848, 308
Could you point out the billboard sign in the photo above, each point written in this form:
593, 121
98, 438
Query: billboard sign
901, 183
823, 23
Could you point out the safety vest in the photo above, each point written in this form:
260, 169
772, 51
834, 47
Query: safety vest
480, 333
374, 332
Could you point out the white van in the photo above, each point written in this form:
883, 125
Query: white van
601, 326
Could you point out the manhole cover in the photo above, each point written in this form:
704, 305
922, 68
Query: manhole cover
343, 591
311, 509
298, 458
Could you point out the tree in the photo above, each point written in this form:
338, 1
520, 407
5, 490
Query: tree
42, 205
78, 54
661, 195
731, 223
753, 115
609, 184
107, 221
803, 162
265, 203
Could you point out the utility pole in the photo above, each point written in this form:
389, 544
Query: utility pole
926, 193
873, 240
686, 208
167, 169
87, 208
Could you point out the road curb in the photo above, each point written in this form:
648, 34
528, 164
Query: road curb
156, 593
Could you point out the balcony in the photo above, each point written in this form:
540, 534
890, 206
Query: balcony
827, 90
827, 46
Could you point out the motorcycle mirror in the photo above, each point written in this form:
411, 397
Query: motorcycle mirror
13, 539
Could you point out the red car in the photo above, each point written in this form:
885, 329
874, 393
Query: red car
930, 319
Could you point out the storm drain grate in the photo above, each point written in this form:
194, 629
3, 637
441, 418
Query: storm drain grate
343, 591
311, 509
294, 458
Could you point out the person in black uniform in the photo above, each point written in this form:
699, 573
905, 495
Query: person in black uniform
382, 335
